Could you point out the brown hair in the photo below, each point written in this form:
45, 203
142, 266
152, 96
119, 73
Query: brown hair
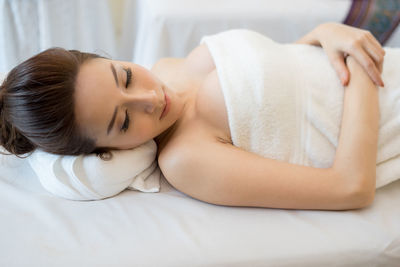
37, 105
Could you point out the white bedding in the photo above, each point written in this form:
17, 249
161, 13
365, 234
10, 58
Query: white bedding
172, 229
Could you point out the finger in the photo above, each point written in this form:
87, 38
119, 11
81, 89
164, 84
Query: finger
374, 52
337, 61
380, 48
380, 67
369, 66
376, 43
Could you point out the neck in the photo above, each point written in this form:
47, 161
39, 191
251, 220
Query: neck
162, 139
186, 96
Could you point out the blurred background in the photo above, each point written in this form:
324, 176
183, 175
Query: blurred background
143, 31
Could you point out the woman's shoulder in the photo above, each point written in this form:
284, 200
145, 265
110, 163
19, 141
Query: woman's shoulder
173, 153
197, 63
199, 60
164, 67
180, 151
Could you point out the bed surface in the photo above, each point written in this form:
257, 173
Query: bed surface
172, 229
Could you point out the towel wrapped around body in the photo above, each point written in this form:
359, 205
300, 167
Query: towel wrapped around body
285, 101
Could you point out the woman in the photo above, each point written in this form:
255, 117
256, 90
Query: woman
73, 103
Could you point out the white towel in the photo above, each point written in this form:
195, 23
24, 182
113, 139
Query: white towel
87, 177
285, 101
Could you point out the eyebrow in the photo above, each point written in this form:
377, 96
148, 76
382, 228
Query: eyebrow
114, 72
111, 124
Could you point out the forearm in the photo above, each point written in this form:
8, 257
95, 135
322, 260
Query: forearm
357, 149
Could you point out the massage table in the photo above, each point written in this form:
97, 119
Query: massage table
170, 228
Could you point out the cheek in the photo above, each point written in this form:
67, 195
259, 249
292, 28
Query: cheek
143, 129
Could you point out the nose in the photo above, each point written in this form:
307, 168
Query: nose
143, 99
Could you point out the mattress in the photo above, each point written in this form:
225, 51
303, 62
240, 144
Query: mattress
172, 229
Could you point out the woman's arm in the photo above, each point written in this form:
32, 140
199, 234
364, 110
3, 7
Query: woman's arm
357, 149
339, 40
223, 174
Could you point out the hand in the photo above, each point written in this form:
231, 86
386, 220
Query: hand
340, 40
357, 72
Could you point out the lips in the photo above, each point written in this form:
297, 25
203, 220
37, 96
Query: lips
166, 107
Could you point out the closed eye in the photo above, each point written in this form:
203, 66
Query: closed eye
128, 76
125, 126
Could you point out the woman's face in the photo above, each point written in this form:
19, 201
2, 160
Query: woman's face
119, 104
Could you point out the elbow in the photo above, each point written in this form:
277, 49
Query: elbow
357, 191
361, 199
363, 195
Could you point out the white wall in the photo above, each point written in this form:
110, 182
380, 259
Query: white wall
117, 7
28, 27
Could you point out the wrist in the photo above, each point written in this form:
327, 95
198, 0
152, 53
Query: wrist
358, 75
352, 64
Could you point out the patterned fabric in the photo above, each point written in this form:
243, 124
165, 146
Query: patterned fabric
380, 17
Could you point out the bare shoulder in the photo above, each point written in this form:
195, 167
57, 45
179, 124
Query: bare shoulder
200, 60
198, 63
166, 67
175, 160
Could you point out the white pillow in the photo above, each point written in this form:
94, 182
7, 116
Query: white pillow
87, 177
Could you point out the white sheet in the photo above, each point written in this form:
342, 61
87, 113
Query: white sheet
172, 229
